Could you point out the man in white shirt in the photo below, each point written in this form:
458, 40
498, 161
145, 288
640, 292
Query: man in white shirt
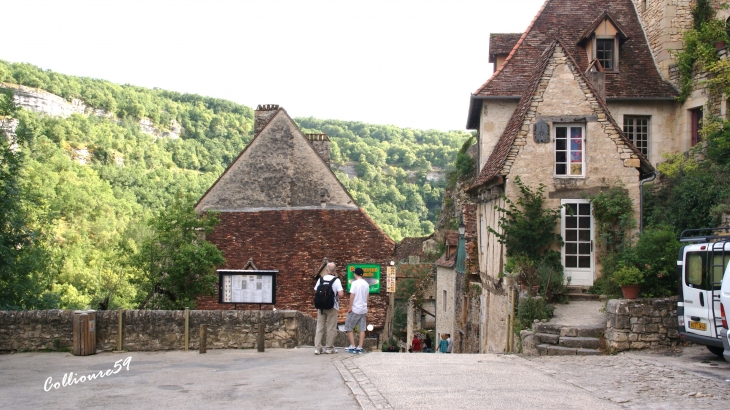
327, 318
359, 291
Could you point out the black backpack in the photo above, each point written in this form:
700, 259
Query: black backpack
324, 298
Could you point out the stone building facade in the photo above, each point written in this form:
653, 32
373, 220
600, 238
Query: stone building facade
580, 102
282, 208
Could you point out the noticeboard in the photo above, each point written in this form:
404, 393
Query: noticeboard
247, 286
371, 274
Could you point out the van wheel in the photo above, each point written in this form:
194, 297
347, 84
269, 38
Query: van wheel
717, 351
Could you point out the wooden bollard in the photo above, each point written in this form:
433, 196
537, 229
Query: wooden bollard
187, 327
120, 316
203, 338
261, 341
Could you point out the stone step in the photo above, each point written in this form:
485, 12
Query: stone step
569, 331
580, 342
551, 350
548, 338
582, 296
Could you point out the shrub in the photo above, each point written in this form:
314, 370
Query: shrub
656, 252
628, 275
529, 310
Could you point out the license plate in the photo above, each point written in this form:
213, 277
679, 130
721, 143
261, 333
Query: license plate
698, 326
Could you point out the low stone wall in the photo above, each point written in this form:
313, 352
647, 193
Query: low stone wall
641, 323
150, 330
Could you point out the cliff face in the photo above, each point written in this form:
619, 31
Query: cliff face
41, 101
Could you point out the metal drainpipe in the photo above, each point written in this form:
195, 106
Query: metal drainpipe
641, 198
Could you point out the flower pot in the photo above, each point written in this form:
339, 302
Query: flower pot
719, 45
630, 291
535, 290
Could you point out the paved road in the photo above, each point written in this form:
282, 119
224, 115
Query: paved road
297, 379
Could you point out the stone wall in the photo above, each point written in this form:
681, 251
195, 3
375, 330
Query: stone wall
151, 330
641, 323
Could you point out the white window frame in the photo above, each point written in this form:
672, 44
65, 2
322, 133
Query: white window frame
568, 151
632, 136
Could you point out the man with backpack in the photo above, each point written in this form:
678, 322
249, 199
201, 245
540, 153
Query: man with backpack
328, 290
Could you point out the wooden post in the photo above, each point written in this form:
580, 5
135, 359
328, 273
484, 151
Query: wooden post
187, 328
203, 338
260, 343
120, 315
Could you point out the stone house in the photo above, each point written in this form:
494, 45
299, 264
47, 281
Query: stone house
583, 100
282, 208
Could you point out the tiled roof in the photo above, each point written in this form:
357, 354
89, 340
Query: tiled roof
567, 21
451, 238
501, 43
493, 167
446, 262
410, 247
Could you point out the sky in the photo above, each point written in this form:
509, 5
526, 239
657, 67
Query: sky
412, 64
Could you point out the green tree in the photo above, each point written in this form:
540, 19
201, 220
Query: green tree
178, 265
24, 280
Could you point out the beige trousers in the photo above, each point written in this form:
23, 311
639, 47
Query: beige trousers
326, 322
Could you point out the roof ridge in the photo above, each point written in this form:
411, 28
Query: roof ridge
514, 49
492, 169
497, 158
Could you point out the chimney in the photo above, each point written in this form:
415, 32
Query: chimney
321, 144
262, 115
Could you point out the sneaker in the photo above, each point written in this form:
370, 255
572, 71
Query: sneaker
358, 350
330, 351
350, 348
317, 351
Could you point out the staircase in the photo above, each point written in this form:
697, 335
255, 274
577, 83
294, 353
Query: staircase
553, 339
580, 293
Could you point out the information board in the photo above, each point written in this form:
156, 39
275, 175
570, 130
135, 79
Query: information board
390, 272
371, 274
247, 286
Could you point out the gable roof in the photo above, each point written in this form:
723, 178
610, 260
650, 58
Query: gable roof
604, 16
501, 43
567, 21
496, 161
278, 169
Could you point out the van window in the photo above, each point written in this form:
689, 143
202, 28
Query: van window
717, 270
693, 274
697, 269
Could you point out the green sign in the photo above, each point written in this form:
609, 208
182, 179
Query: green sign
371, 274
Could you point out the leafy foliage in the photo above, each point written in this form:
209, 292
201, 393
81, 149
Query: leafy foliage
177, 265
529, 310
528, 228
693, 194
84, 185
614, 215
23, 255
699, 46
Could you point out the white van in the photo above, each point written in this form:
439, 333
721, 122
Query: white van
701, 265
725, 311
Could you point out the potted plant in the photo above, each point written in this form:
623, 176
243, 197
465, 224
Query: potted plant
390, 345
629, 278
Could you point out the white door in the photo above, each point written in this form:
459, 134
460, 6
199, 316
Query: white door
577, 252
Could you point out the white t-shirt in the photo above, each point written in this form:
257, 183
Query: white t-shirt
359, 290
336, 286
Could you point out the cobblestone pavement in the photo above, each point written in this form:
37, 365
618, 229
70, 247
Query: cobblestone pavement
688, 378
670, 379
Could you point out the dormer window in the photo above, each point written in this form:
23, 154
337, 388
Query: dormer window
601, 42
605, 53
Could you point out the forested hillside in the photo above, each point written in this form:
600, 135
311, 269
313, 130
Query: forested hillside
85, 186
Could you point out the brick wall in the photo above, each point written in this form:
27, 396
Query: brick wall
295, 242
